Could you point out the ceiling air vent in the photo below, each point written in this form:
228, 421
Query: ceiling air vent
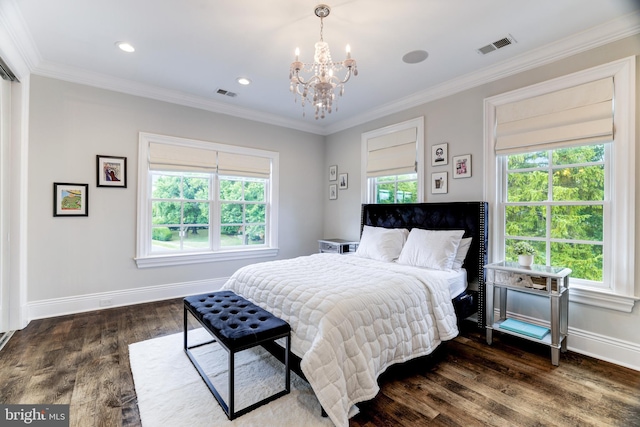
227, 93
499, 44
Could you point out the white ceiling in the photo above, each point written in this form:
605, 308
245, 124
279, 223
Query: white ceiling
188, 49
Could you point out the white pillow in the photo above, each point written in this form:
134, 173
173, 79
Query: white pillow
431, 248
382, 244
463, 248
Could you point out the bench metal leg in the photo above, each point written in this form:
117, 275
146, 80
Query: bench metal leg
230, 408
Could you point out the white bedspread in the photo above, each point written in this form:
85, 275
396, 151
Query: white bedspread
351, 318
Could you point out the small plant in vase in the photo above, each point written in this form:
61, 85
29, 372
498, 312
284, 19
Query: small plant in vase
525, 253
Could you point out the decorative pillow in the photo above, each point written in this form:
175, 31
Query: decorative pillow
382, 244
463, 248
431, 248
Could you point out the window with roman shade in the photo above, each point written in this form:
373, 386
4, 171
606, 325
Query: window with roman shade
560, 174
203, 201
392, 163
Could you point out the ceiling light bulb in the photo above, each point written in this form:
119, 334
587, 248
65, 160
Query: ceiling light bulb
126, 47
243, 81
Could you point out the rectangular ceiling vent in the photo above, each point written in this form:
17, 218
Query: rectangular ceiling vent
499, 44
227, 93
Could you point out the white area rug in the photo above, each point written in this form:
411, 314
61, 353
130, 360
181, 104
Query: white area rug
171, 393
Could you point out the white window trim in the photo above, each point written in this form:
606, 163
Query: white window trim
367, 191
619, 294
145, 260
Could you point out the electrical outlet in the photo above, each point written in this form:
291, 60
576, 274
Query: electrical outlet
106, 302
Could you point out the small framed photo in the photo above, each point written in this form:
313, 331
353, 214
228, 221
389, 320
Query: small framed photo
439, 154
70, 199
343, 182
333, 192
333, 173
111, 171
462, 166
439, 182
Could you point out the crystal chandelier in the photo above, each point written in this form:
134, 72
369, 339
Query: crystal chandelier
320, 88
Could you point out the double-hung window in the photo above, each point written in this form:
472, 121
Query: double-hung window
200, 201
560, 175
392, 163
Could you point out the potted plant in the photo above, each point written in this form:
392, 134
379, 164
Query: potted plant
525, 253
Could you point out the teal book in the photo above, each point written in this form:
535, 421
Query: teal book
524, 328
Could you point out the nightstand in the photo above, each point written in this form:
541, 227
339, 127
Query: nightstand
337, 246
545, 281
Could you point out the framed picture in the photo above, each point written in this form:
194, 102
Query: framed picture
439, 154
333, 192
111, 171
70, 199
462, 166
439, 182
333, 172
343, 182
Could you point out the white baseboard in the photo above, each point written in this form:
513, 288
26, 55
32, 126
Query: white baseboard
613, 350
605, 348
104, 300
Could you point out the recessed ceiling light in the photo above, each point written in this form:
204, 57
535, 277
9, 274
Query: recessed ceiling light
415, 56
125, 47
243, 81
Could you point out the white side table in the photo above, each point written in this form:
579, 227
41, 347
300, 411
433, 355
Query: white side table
337, 246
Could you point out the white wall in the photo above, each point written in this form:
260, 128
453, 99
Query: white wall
75, 262
458, 120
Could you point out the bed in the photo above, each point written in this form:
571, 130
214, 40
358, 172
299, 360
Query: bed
354, 316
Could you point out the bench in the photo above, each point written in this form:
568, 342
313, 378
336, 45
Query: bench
237, 325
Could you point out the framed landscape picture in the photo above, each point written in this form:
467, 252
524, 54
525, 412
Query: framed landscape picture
70, 199
111, 171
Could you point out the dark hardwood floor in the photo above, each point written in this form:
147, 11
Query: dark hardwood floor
83, 360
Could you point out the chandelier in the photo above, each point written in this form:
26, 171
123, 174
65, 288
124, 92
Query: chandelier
320, 88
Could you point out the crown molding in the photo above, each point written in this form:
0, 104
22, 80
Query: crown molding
103, 81
16, 44
614, 30
617, 29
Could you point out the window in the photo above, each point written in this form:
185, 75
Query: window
201, 202
396, 188
555, 200
392, 163
565, 181
243, 211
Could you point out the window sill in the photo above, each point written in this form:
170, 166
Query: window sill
185, 259
602, 299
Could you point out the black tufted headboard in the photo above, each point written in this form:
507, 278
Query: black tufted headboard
471, 217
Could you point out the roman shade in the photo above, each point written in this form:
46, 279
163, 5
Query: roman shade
392, 154
178, 158
578, 115
243, 165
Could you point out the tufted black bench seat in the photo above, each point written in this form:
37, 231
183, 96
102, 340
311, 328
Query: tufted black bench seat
236, 324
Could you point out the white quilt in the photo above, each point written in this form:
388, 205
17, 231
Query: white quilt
351, 318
